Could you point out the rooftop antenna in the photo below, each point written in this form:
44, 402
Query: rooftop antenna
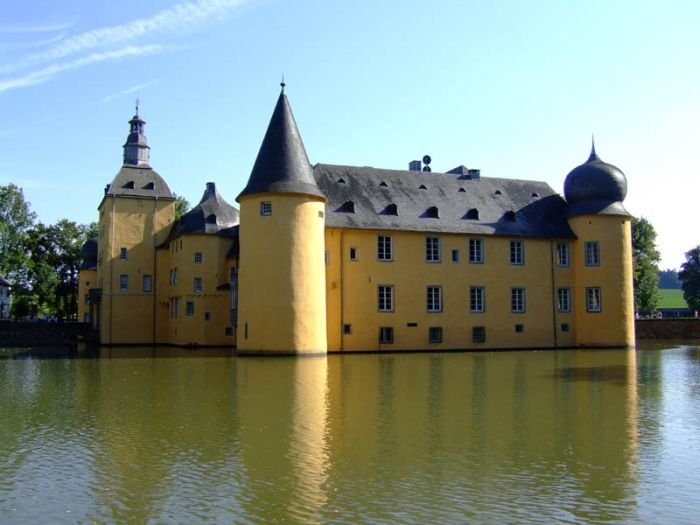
137, 106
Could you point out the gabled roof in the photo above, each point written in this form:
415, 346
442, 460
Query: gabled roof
437, 202
212, 215
282, 165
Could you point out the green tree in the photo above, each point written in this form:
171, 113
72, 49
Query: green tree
16, 218
182, 206
645, 259
690, 278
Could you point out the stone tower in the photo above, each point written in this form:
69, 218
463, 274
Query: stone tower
602, 254
282, 301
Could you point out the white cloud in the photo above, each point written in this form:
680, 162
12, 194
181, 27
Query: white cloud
44, 74
130, 91
48, 28
181, 16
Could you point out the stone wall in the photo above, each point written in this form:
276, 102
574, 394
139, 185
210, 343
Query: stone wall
36, 333
667, 328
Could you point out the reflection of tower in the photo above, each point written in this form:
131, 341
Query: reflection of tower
135, 214
282, 301
602, 254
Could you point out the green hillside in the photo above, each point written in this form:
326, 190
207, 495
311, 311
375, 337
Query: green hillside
671, 298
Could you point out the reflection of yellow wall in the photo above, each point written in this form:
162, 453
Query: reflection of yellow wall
211, 315
87, 279
352, 292
614, 324
139, 225
282, 301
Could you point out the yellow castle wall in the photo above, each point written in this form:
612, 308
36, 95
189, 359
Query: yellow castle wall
282, 300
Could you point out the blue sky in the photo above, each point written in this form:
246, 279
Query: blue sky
514, 88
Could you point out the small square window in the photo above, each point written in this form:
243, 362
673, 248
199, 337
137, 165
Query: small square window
198, 257
479, 334
386, 335
228, 330
519, 329
347, 329
435, 334
565, 327
265, 208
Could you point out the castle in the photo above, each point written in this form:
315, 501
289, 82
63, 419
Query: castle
331, 258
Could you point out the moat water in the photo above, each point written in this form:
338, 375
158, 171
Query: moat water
168, 435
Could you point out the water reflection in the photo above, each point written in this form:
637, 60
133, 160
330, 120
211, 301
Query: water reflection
166, 435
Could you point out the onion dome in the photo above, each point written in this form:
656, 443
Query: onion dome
88, 255
595, 187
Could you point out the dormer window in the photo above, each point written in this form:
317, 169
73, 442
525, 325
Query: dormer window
129, 185
472, 215
509, 216
462, 190
497, 192
383, 184
211, 219
422, 187
149, 186
535, 195
341, 181
432, 213
391, 209
347, 207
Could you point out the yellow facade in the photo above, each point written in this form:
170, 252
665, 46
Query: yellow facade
130, 229
613, 323
86, 281
282, 302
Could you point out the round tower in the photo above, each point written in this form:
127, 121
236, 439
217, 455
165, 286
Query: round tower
603, 295
281, 275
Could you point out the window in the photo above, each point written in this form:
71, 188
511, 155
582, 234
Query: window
563, 254
189, 308
175, 276
385, 298
265, 208
432, 249
476, 299
478, 334
516, 252
455, 256
564, 299
207, 316
593, 299
592, 253
198, 257
384, 248
353, 254
386, 334
123, 282
123, 254
519, 328
147, 283
476, 251
347, 329
86, 298
517, 300
175, 307
434, 298
435, 334
565, 327
197, 284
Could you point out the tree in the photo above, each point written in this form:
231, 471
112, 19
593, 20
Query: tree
645, 259
182, 206
16, 218
690, 278
669, 279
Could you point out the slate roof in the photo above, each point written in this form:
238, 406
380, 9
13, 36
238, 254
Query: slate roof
282, 165
88, 254
139, 181
212, 215
360, 197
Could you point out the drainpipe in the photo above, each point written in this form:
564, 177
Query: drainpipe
553, 295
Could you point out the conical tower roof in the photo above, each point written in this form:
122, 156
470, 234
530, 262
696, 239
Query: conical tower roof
282, 165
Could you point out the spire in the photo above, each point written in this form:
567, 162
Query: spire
282, 165
593, 156
136, 149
